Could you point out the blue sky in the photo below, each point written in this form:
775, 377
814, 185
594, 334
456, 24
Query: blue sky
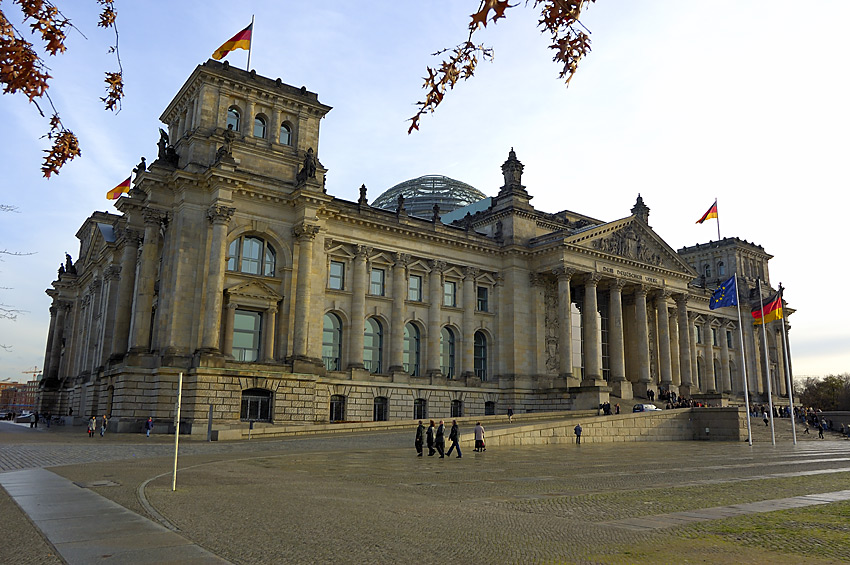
682, 102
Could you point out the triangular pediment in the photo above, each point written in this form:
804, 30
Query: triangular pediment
255, 290
632, 240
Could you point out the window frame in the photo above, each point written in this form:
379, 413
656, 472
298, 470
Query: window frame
264, 405
479, 359
450, 294
266, 260
288, 129
412, 347
374, 364
482, 298
237, 122
237, 350
332, 349
414, 292
448, 352
377, 287
332, 277
381, 409
263, 123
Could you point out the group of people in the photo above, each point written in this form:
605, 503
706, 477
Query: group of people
434, 439
608, 410
93, 427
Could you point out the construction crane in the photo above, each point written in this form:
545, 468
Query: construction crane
35, 372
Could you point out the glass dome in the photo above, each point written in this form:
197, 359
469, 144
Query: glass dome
420, 195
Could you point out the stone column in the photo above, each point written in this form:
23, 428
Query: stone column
358, 307
227, 339
684, 345
219, 216
664, 355
398, 312
126, 282
695, 383
51, 332
467, 364
305, 234
435, 290
565, 328
140, 338
725, 377
92, 359
642, 342
268, 334
708, 349
592, 335
62, 309
616, 348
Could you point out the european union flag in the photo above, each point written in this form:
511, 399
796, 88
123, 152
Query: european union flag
725, 295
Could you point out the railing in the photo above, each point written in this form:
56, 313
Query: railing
331, 363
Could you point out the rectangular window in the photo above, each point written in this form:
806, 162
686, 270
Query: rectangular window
377, 282
336, 275
414, 288
483, 292
449, 294
729, 340
246, 335
698, 334
714, 340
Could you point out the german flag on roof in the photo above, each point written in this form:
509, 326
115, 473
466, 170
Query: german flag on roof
241, 40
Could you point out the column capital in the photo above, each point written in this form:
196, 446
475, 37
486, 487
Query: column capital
592, 279
362, 251
112, 272
641, 290
616, 284
305, 232
535, 279
129, 236
564, 273
401, 259
219, 214
681, 299
437, 266
470, 272
154, 217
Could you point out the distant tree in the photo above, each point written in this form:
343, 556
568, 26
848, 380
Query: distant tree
829, 393
23, 69
559, 18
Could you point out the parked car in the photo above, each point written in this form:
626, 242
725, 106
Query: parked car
645, 408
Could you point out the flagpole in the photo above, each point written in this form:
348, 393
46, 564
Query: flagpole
251, 45
766, 366
788, 376
744, 361
717, 217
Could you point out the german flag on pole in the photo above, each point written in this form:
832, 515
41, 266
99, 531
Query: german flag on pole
712, 213
771, 311
241, 40
116, 192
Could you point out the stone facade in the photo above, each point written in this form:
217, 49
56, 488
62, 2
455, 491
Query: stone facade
230, 263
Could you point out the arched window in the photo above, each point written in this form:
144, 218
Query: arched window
707, 271
232, 119
457, 409
480, 355
411, 350
256, 405
420, 409
447, 353
337, 408
332, 342
285, 134
246, 335
259, 127
373, 341
381, 409
721, 269
252, 255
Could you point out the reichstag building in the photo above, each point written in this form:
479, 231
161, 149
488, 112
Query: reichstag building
230, 263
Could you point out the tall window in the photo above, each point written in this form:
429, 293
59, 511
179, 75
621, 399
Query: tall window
714, 340
337, 408
373, 340
252, 255
721, 269
707, 271
483, 299
381, 409
256, 405
246, 335
285, 134
729, 342
420, 409
449, 294
480, 355
232, 119
489, 408
332, 342
376, 287
447, 353
411, 350
698, 334
259, 127
336, 275
457, 409
414, 288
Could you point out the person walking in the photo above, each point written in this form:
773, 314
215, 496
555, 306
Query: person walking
454, 437
32, 420
92, 426
103, 423
430, 438
420, 437
148, 426
577, 431
440, 439
479, 437
510, 414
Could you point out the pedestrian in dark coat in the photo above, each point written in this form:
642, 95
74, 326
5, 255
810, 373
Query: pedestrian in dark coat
577, 431
148, 426
440, 439
420, 438
430, 437
454, 437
